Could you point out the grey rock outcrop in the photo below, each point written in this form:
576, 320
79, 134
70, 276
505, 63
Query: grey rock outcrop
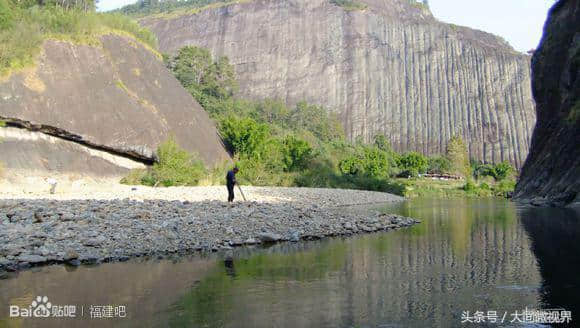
551, 174
389, 69
117, 99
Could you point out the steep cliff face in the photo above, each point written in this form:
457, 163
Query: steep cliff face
389, 69
551, 174
117, 99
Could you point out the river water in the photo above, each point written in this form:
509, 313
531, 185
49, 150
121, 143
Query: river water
466, 255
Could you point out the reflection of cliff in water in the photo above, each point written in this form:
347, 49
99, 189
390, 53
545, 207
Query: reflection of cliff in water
555, 237
466, 255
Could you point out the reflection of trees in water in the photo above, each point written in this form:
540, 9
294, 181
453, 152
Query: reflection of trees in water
555, 236
453, 261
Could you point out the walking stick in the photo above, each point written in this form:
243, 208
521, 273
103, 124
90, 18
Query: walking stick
241, 192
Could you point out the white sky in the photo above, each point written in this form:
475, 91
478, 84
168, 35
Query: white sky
520, 22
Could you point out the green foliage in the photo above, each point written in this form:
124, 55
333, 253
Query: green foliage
150, 7
6, 14
368, 161
137, 177
574, 114
420, 4
316, 120
458, 157
349, 4
196, 70
439, 165
413, 164
352, 166
502, 170
175, 167
499, 172
302, 145
469, 186
382, 143
243, 135
25, 28
297, 153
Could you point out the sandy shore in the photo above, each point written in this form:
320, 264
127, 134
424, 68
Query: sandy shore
113, 224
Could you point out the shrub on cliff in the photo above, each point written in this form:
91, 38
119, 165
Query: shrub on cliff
195, 68
349, 4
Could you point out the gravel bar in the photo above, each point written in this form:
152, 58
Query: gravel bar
89, 227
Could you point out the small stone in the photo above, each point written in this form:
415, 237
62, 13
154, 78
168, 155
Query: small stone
250, 241
31, 258
268, 237
94, 242
70, 255
89, 259
66, 217
38, 218
74, 262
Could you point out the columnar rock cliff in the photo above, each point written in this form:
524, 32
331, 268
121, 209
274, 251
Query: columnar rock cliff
389, 69
551, 174
104, 105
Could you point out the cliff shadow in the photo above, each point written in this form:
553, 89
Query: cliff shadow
555, 233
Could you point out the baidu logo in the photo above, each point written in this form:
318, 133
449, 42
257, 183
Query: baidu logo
42, 308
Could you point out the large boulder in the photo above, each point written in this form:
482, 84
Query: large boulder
551, 174
117, 98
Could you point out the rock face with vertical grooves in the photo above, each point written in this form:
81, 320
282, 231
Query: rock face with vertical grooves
117, 99
389, 69
551, 174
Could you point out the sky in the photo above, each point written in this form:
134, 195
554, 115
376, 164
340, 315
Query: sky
520, 22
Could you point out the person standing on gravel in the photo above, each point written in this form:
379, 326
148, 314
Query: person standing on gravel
230, 182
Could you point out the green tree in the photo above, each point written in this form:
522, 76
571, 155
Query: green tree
190, 65
244, 135
352, 166
195, 68
368, 161
297, 153
458, 157
439, 165
316, 120
272, 112
413, 163
382, 143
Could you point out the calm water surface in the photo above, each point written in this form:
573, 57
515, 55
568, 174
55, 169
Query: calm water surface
466, 255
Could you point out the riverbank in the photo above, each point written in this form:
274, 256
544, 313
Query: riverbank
94, 226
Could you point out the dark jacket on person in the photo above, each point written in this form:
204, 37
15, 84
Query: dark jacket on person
231, 178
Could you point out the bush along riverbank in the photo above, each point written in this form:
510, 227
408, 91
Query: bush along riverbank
40, 231
304, 145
